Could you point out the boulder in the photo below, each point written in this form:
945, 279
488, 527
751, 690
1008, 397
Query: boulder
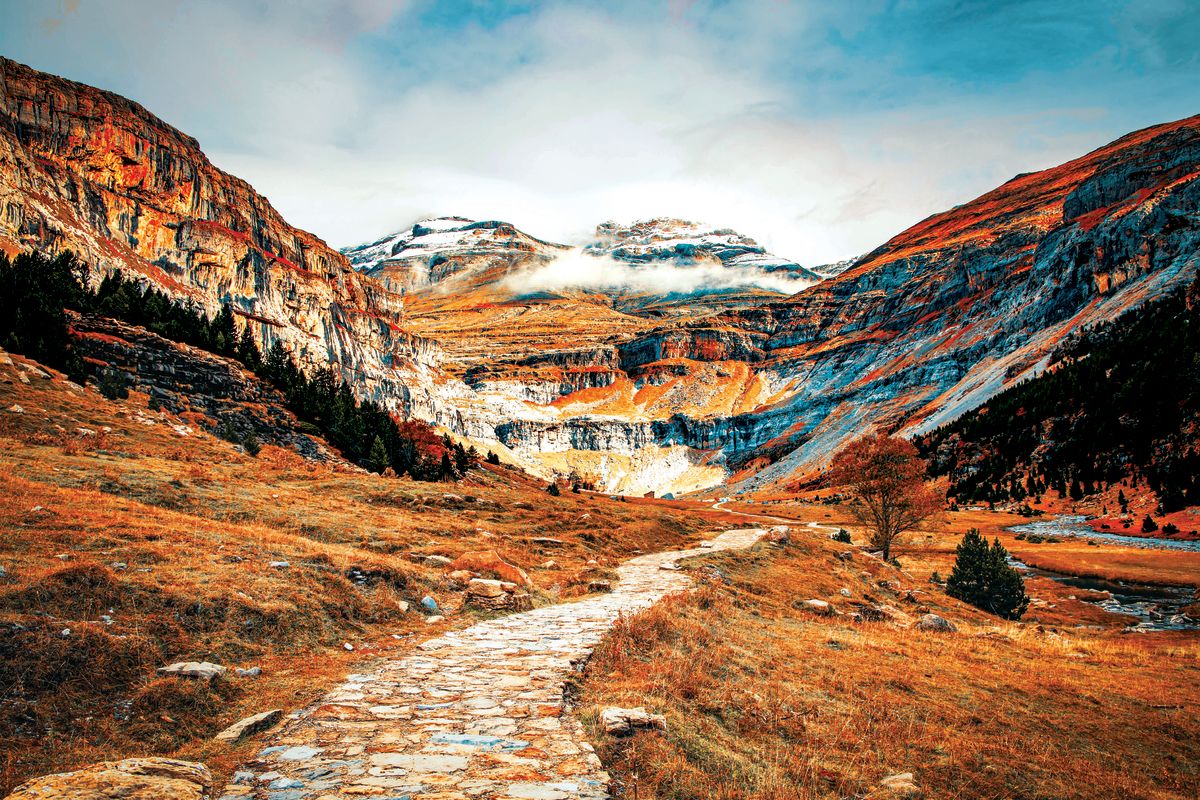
780, 535
623, 721
459, 578
484, 587
932, 622
131, 779
901, 784
489, 562
250, 725
497, 595
438, 561
817, 607
200, 670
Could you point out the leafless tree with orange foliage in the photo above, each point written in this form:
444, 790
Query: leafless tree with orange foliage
885, 478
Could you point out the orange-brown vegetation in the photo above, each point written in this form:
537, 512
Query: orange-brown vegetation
766, 700
134, 539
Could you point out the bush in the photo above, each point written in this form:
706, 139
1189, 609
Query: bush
983, 578
554, 491
842, 536
493, 459
251, 444
1170, 529
1149, 525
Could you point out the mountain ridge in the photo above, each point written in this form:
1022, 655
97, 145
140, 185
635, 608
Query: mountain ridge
665, 391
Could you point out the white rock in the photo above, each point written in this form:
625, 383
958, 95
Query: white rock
200, 670
818, 607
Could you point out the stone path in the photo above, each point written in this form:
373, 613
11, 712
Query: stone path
476, 713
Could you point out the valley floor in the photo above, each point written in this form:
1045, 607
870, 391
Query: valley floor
133, 539
766, 699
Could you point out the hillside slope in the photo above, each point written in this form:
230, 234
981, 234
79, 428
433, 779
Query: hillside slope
1121, 403
86, 170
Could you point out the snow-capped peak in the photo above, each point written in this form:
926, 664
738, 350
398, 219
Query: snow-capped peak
685, 242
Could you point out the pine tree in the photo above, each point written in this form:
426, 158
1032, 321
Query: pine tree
554, 491
247, 350
492, 458
462, 461
983, 578
224, 330
446, 468
378, 458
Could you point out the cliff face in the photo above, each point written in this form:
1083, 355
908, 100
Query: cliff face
929, 325
87, 170
967, 302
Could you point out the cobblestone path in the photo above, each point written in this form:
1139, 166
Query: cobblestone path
475, 713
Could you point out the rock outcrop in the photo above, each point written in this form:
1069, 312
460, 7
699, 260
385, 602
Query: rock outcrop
131, 779
188, 381
90, 171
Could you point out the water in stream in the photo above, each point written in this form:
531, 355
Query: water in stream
1076, 526
1155, 607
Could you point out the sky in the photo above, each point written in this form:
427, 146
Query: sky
819, 128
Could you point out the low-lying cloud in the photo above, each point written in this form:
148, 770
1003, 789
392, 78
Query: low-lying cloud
577, 270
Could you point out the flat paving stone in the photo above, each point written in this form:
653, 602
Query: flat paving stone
476, 713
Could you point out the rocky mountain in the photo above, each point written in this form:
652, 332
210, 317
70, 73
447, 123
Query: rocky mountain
967, 302
639, 380
451, 253
688, 243
90, 171
929, 325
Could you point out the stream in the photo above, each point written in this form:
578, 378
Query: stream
1077, 527
1155, 607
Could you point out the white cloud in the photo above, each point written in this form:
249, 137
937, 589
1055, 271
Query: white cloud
613, 121
555, 120
578, 270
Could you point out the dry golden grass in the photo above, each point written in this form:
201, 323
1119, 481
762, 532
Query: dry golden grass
764, 700
172, 536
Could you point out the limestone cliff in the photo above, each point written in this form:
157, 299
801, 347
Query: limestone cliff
90, 171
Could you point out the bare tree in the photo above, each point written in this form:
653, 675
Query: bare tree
886, 480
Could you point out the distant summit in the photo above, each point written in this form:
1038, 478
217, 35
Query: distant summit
439, 248
665, 240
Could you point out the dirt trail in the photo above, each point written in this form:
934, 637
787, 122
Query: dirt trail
476, 713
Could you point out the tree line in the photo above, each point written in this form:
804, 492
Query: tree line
36, 290
1119, 402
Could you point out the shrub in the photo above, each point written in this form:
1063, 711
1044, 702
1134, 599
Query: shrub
554, 491
1148, 524
842, 536
983, 578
